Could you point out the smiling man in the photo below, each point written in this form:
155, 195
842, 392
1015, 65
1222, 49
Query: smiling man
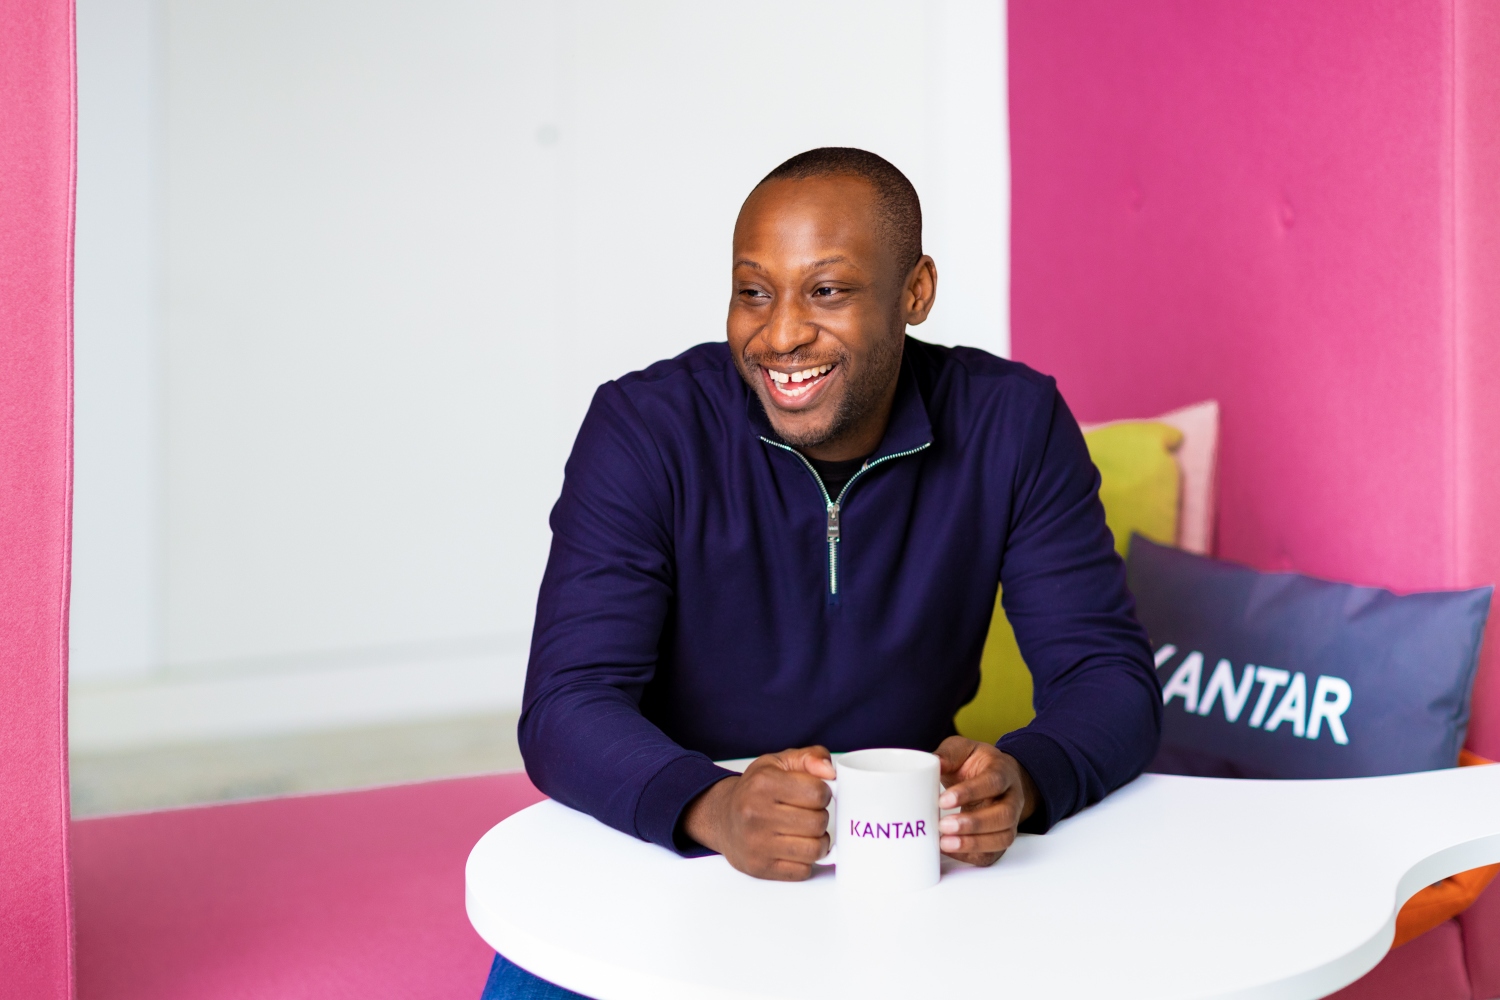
789, 543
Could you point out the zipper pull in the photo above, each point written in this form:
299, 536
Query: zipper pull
833, 522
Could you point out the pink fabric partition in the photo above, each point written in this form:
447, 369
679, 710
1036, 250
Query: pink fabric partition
1293, 208
1476, 330
357, 895
36, 277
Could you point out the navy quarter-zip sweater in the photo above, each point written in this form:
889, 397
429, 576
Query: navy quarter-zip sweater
704, 599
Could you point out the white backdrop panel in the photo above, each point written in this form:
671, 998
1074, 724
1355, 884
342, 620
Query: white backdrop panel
401, 245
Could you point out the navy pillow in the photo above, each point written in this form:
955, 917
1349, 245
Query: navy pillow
1276, 675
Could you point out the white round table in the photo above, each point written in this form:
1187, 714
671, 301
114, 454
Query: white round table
1171, 888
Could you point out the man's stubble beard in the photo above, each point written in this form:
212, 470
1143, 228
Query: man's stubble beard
863, 390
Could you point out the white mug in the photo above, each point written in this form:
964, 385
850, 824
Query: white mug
883, 820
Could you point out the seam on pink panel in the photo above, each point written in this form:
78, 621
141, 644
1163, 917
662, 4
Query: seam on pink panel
65, 569
1453, 446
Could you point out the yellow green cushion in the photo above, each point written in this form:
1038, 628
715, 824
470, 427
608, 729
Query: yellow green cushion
1140, 484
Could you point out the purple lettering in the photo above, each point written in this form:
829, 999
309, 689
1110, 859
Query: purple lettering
895, 830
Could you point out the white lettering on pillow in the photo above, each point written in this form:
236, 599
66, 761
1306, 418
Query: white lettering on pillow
1323, 708
1331, 697
1293, 707
1222, 682
1270, 679
1185, 682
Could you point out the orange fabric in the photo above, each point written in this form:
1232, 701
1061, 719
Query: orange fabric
1442, 901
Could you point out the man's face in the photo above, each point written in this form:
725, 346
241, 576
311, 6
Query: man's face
816, 322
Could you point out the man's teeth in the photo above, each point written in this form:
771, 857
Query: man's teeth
801, 376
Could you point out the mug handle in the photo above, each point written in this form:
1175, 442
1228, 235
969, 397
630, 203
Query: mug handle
833, 825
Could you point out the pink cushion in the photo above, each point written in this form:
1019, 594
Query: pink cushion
1197, 459
36, 277
1481, 926
1430, 967
359, 895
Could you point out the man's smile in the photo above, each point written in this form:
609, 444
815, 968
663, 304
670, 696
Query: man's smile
796, 390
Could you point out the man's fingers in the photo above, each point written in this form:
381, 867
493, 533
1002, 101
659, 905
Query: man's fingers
988, 843
774, 802
786, 871
779, 820
792, 777
980, 833
772, 866
992, 817
803, 850
953, 751
987, 830
778, 816
816, 761
785, 857
985, 785
793, 788
803, 791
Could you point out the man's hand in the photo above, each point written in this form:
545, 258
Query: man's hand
995, 794
771, 821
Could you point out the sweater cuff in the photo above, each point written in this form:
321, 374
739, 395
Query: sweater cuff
658, 812
1051, 772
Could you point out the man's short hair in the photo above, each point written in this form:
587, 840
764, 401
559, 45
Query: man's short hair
900, 209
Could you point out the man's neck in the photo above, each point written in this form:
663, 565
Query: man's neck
861, 439
836, 475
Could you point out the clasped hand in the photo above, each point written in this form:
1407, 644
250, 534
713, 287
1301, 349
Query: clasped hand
772, 821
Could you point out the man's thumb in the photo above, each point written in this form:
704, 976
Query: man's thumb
813, 760
953, 752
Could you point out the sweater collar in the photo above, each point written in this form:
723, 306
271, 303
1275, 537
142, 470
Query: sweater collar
909, 425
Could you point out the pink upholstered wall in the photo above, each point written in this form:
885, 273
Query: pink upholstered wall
36, 276
1476, 328
1293, 208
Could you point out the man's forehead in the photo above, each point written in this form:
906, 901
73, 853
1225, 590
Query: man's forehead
822, 218
844, 197
820, 262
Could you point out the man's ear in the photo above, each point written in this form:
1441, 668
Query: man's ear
920, 291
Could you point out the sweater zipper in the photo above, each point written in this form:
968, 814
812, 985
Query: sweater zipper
835, 507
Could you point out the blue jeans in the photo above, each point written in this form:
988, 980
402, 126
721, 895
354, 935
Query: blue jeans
509, 981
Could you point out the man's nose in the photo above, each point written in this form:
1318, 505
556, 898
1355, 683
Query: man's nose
790, 327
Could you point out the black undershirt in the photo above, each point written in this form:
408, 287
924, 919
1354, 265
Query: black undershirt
836, 475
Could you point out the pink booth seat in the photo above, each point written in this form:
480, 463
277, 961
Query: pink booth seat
1430, 967
1481, 929
357, 895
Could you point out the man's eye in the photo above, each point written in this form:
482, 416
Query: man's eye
753, 293
824, 291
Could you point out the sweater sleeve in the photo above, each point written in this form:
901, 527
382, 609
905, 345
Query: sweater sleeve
1098, 701
603, 603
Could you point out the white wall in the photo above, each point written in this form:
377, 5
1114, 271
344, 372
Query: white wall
118, 540
403, 244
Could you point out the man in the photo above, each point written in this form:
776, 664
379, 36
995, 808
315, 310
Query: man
789, 543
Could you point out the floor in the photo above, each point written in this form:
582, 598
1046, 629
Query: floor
192, 774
